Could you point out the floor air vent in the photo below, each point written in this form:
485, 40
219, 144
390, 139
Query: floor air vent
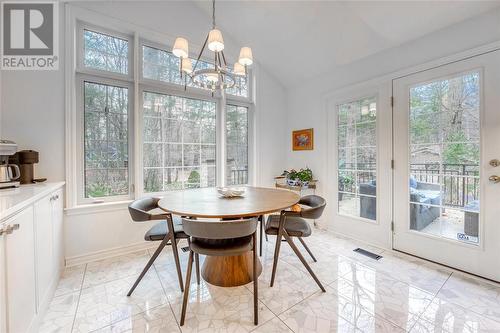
367, 253
185, 249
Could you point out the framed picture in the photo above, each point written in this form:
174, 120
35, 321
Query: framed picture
303, 139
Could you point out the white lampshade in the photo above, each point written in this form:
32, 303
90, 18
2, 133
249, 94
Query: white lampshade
181, 48
215, 41
187, 67
239, 69
213, 77
246, 58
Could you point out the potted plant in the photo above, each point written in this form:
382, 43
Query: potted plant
345, 182
303, 177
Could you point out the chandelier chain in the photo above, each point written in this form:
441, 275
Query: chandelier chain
213, 14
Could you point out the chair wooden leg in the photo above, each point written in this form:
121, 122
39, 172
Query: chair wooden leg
197, 262
304, 262
149, 264
277, 249
186, 289
255, 282
261, 219
307, 249
177, 262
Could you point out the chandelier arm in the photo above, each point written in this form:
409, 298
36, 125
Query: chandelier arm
224, 58
220, 61
201, 52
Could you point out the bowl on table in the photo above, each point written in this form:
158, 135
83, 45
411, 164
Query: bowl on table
231, 192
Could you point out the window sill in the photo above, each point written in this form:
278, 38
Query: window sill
97, 208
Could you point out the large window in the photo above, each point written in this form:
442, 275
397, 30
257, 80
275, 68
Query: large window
105, 102
178, 135
237, 144
178, 142
106, 140
357, 158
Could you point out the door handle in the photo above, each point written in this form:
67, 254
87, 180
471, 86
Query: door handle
494, 179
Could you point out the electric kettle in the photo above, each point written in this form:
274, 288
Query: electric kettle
9, 172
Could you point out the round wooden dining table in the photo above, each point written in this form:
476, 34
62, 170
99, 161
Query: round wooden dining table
208, 203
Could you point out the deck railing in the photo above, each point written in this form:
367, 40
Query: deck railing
237, 176
459, 182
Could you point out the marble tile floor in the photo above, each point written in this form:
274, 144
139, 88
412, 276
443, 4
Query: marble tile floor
398, 293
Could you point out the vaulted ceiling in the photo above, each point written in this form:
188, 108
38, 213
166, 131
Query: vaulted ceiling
298, 40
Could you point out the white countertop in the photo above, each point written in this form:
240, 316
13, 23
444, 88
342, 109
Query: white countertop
15, 199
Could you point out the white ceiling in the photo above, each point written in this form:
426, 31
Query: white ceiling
297, 40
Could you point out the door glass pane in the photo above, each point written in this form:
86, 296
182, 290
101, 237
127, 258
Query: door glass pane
357, 158
444, 157
177, 151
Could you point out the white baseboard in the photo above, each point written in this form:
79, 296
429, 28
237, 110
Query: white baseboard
108, 253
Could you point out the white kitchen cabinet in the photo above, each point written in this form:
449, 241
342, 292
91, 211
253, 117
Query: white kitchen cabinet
58, 231
31, 254
20, 271
3, 289
44, 235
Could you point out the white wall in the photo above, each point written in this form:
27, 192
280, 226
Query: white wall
272, 137
32, 104
33, 115
306, 104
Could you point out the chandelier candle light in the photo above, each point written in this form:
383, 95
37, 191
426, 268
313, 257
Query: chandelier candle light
217, 77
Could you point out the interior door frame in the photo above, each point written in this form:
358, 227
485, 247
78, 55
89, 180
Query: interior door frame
464, 65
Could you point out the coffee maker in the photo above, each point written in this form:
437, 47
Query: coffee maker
9, 173
25, 160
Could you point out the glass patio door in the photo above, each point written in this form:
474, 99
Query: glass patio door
447, 125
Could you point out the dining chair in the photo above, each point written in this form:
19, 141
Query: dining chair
293, 224
168, 229
221, 238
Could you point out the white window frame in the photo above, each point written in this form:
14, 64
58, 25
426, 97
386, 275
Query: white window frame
81, 68
85, 74
81, 79
78, 20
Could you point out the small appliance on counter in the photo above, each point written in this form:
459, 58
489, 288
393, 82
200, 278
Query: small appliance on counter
25, 160
9, 173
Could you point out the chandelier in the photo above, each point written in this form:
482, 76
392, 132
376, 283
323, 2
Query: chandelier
217, 76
